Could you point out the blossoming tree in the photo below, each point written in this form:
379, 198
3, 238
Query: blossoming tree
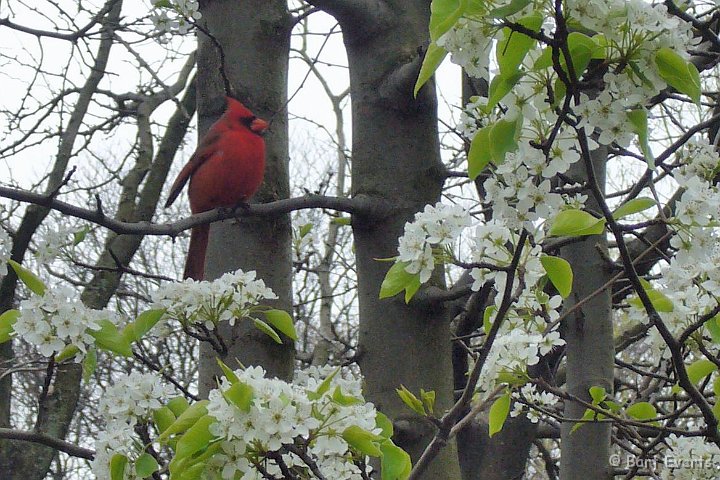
584, 312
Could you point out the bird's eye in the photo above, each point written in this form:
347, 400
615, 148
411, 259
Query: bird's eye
247, 121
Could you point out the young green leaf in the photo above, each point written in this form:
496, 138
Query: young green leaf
498, 413
382, 421
241, 395
363, 441
444, 14
7, 320
178, 405
163, 417
559, 272
503, 139
109, 338
659, 301
632, 206
118, 462
411, 400
513, 47
713, 327
576, 223
145, 322
510, 9
679, 73
700, 369
89, 364
499, 87
395, 463
282, 322
28, 278
185, 420
639, 121
398, 279
146, 465
479, 155
598, 394
196, 437
267, 330
642, 411
433, 58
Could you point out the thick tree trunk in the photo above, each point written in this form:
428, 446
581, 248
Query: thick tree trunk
396, 159
588, 332
256, 50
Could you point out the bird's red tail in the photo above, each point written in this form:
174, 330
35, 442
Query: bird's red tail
195, 262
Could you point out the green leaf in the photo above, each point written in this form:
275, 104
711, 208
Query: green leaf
227, 371
146, 465
324, 387
163, 4
559, 272
89, 364
635, 205
382, 421
163, 418
513, 47
503, 139
713, 327
432, 60
581, 49
510, 9
700, 369
68, 352
178, 405
411, 400
7, 320
679, 73
639, 121
444, 14
428, 400
660, 302
498, 413
194, 472
267, 330
241, 395
642, 411
118, 463
398, 279
185, 420
588, 415
282, 322
487, 315
598, 394
196, 437
363, 441
341, 221
80, 235
109, 338
345, 400
145, 322
28, 278
305, 229
395, 463
499, 87
576, 223
479, 155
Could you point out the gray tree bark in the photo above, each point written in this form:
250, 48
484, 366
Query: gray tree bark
256, 49
396, 160
588, 331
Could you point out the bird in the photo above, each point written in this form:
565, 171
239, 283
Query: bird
226, 169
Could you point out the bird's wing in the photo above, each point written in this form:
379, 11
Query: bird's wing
204, 151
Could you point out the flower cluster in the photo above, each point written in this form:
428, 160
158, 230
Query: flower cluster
130, 400
133, 397
54, 240
287, 422
438, 225
230, 297
174, 15
57, 320
690, 458
531, 398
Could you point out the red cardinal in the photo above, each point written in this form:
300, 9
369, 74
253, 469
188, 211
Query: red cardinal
226, 169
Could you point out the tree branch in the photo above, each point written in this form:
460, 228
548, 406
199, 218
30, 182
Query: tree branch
49, 441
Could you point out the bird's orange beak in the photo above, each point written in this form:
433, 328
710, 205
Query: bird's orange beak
259, 126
